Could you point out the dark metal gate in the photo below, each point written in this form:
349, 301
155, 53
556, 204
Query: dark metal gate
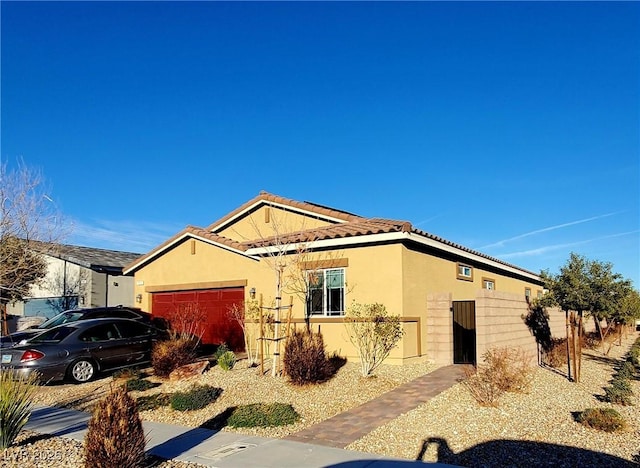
464, 332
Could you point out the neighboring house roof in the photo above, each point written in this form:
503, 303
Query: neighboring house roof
88, 257
348, 229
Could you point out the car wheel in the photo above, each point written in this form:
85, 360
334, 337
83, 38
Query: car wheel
82, 371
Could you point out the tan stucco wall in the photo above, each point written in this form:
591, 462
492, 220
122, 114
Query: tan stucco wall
184, 266
417, 286
255, 225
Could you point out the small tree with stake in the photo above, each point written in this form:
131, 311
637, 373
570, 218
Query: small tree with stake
585, 287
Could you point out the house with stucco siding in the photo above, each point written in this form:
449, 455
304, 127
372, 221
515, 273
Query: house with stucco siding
454, 303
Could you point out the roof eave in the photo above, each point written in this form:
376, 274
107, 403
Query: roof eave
391, 237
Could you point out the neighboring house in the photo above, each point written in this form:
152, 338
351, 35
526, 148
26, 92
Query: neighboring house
454, 302
78, 277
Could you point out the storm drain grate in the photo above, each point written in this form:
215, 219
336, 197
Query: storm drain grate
225, 451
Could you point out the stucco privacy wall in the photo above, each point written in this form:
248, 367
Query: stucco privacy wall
499, 323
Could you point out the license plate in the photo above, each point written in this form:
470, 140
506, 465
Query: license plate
6, 358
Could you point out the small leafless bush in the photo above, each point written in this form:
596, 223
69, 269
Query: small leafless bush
305, 360
556, 356
504, 370
509, 368
168, 355
482, 387
187, 321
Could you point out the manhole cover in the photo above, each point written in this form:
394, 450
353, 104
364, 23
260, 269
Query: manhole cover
225, 451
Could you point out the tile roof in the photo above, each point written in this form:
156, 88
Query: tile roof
360, 227
189, 230
88, 257
305, 206
363, 227
348, 225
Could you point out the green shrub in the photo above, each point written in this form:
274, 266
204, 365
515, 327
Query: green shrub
227, 360
603, 419
619, 392
626, 371
220, 350
16, 401
151, 402
263, 415
115, 436
138, 384
197, 397
168, 355
304, 358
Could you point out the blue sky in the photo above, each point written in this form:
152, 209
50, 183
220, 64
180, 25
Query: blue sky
511, 128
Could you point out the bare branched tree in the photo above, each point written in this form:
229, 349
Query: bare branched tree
289, 251
27, 214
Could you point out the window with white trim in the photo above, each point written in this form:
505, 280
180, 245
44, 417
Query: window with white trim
326, 292
488, 284
465, 272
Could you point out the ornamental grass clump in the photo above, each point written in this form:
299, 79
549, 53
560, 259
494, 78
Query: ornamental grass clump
115, 437
16, 402
263, 415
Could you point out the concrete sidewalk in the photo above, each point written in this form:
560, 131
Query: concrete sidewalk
218, 448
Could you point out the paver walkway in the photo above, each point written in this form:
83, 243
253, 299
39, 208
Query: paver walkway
344, 428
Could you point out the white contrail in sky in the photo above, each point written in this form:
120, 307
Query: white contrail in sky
549, 248
547, 229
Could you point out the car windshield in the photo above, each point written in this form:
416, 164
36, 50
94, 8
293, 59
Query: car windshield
64, 317
55, 335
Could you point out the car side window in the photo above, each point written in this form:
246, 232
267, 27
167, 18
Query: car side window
103, 332
124, 314
134, 329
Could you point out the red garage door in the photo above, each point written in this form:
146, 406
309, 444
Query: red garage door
208, 308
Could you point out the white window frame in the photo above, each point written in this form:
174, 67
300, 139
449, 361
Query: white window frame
488, 284
325, 296
464, 272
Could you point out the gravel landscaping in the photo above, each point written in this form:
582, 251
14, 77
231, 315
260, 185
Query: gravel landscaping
451, 428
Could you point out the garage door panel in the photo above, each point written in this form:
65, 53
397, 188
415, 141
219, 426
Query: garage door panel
212, 305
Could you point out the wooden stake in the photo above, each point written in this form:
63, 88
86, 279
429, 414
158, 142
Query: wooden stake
261, 339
